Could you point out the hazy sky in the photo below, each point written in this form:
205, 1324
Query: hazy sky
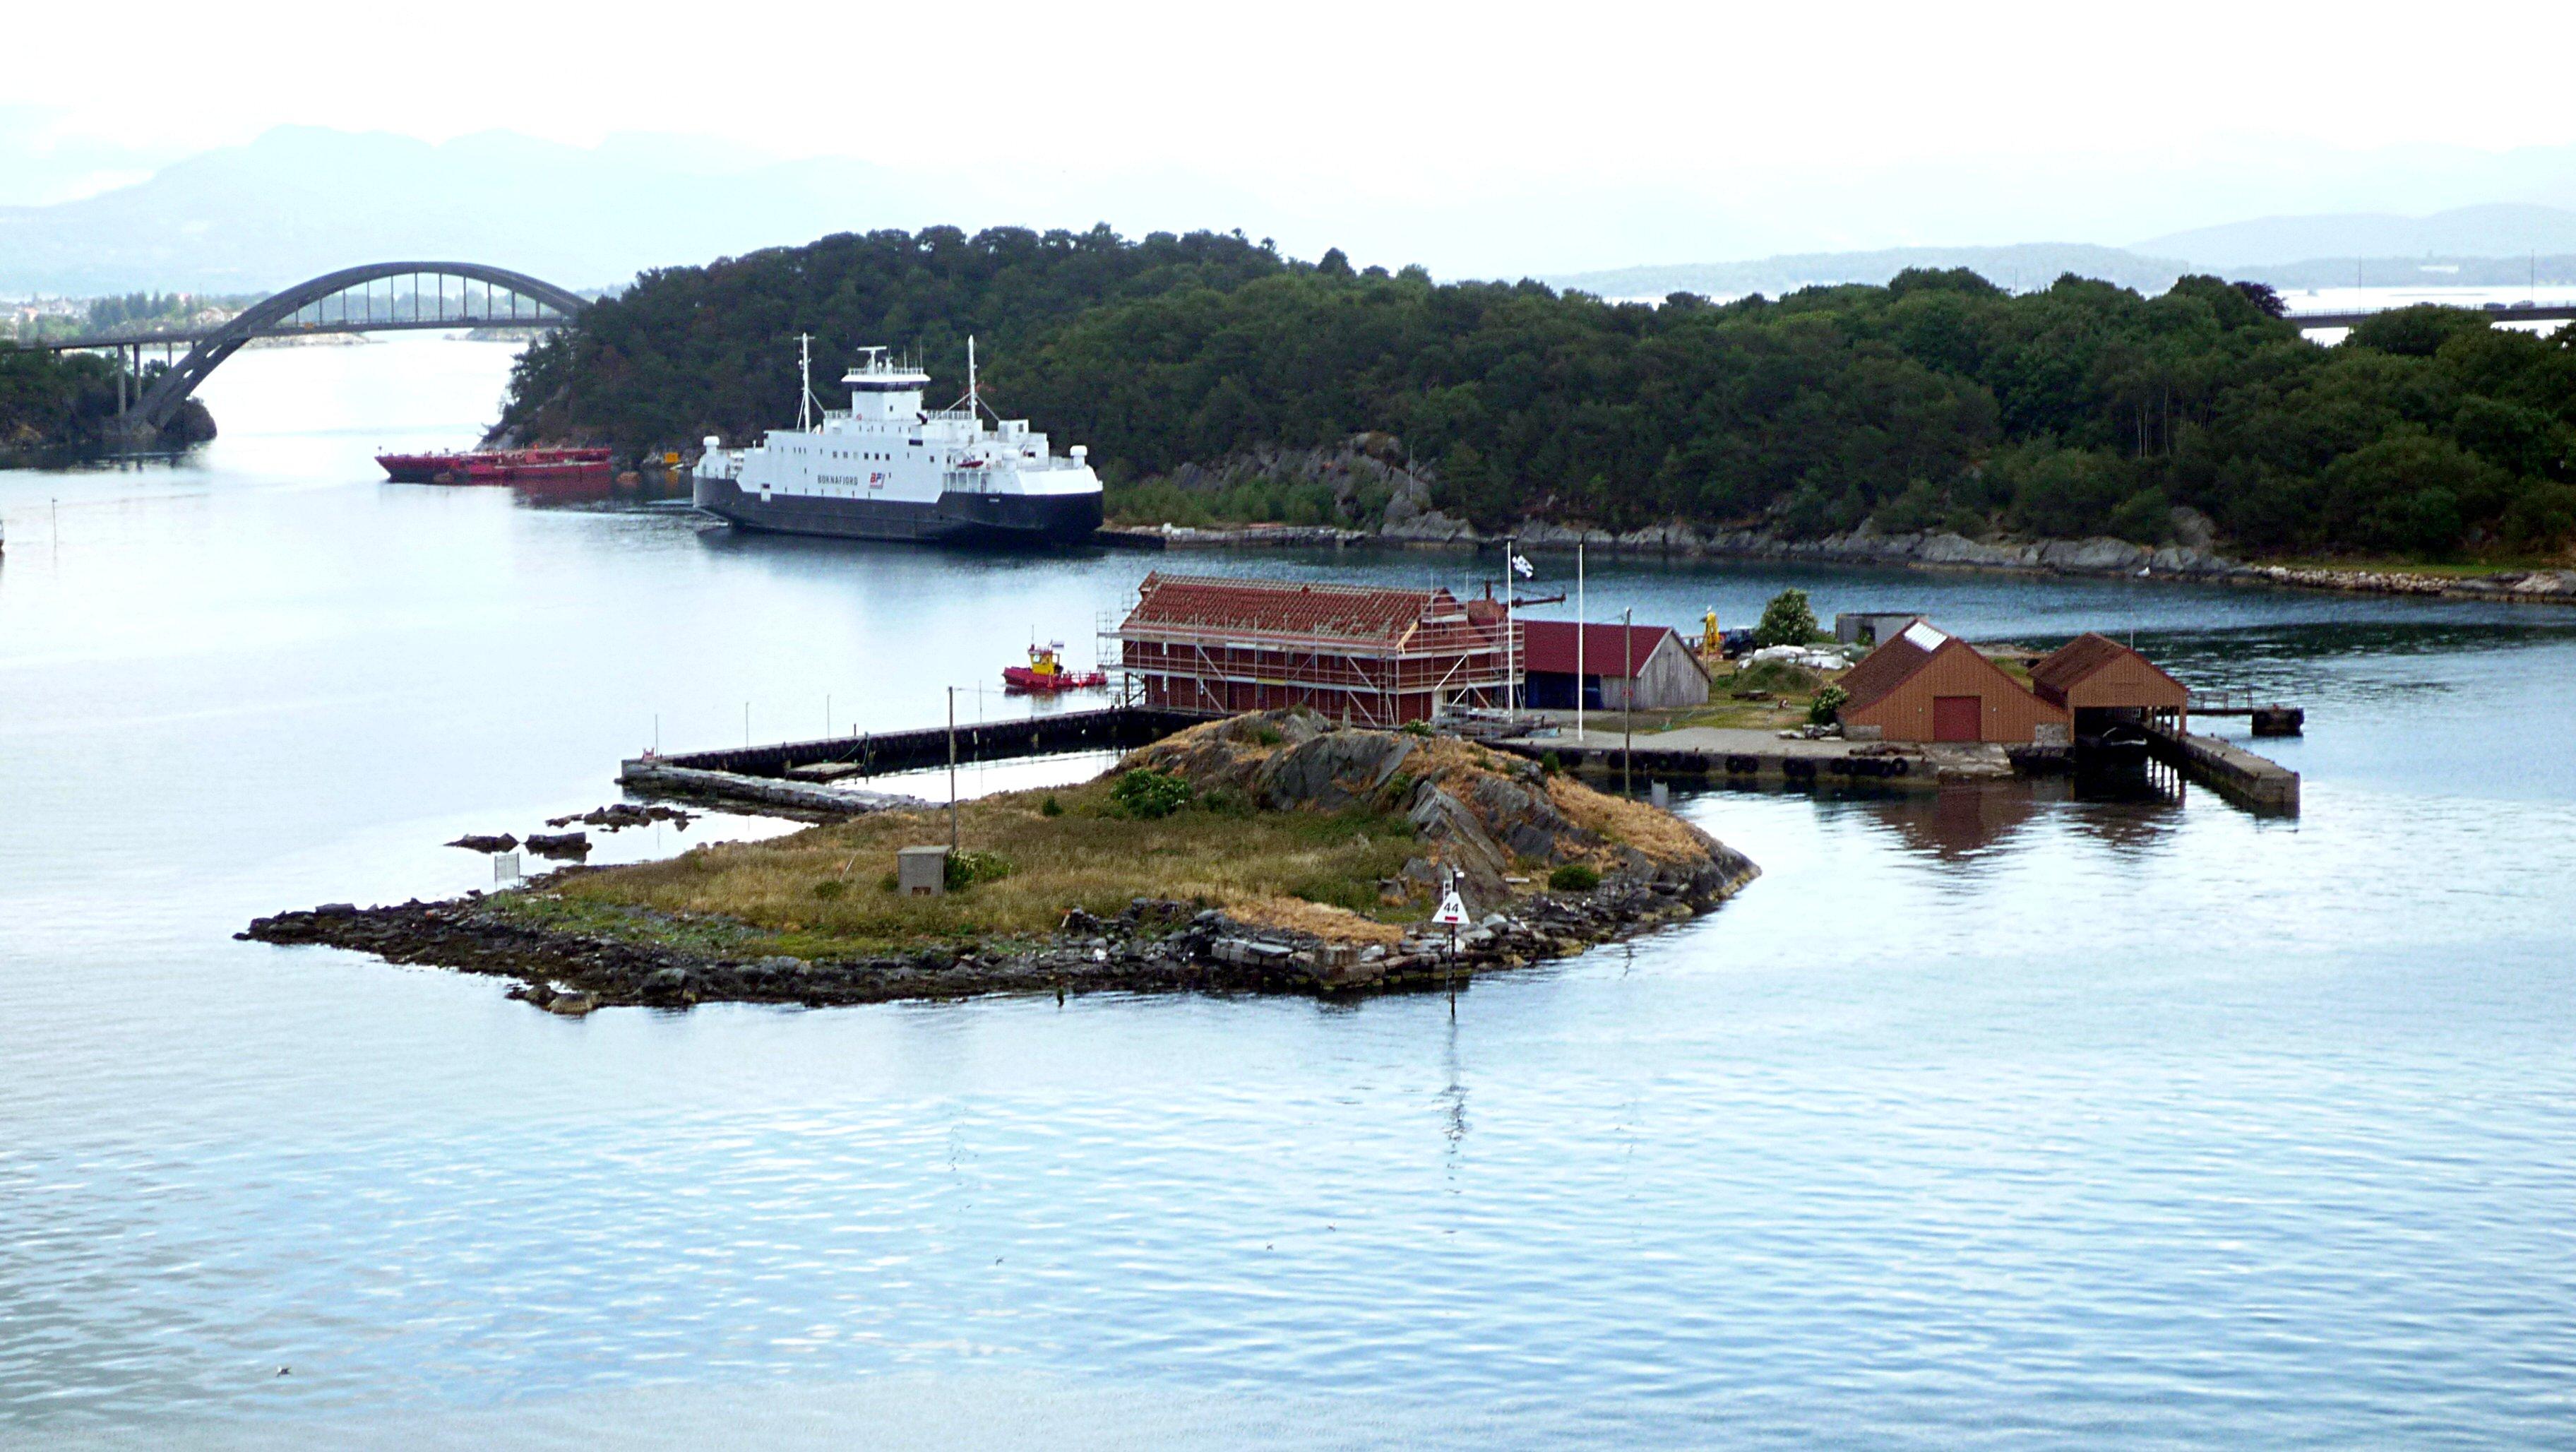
1782, 124
1340, 90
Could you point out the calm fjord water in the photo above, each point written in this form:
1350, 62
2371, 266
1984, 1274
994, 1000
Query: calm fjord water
1991, 1118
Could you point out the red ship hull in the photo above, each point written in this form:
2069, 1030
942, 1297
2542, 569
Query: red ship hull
1021, 678
493, 466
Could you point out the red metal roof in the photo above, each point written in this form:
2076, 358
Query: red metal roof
1886, 668
1549, 646
1270, 609
2070, 664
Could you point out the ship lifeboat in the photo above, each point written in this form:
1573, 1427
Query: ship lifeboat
1045, 673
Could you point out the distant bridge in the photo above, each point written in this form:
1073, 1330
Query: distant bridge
2517, 313
441, 295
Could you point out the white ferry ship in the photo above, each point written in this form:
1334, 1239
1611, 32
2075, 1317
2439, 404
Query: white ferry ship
885, 468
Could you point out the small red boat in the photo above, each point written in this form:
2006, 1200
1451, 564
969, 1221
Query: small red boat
1045, 672
493, 466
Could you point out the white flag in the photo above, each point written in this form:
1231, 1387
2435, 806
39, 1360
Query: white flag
1521, 566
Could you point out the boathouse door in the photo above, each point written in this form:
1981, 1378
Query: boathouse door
1958, 718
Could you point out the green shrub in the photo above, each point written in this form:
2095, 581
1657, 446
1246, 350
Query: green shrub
1417, 728
1550, 762
1574, 877
1146, 793
830, 888
1050, 807
1827, 705
967, 867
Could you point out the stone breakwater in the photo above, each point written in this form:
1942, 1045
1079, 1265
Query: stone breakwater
1153, 945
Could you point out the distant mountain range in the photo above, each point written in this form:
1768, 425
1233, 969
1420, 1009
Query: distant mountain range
2467, 258
299, 201
2029, 265
302, 200
2491, 231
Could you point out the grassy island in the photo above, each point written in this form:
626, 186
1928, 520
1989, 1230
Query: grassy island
1269, 852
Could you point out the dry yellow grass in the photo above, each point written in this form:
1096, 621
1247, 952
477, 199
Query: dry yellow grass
1251, 864
1660, 835
827, 891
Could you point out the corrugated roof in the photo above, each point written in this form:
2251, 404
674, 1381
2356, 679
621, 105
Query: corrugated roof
1203, 604
1549, 645
2072, 663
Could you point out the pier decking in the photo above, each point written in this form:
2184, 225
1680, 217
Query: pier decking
1705, 754
804, 774
2249, 780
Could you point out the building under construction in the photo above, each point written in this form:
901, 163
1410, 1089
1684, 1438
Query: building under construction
1370, 656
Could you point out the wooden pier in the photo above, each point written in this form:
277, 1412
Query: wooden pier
2270, 718
800, 774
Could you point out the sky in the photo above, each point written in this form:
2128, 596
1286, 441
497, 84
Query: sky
1773, 126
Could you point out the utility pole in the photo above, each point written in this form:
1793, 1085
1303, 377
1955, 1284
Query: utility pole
1628, 700
952, 771
1578, 642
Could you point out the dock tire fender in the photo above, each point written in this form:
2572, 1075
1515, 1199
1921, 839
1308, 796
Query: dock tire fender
1743, 766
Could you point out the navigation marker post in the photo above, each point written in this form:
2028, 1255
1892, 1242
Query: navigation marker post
1452, 915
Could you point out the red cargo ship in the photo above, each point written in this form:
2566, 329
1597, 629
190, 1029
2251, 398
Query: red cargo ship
493, 466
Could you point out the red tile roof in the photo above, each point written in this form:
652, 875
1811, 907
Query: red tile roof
1550, 646
1270, 609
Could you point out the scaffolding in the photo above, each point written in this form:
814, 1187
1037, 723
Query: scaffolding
1366, 656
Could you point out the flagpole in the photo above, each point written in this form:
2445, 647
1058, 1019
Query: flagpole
1511, 645
1578, 642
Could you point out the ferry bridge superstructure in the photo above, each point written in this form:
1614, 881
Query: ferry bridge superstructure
369, 299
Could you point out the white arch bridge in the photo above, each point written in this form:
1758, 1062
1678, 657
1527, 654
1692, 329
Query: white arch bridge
379, 297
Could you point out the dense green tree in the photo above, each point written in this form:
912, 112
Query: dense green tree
1786, 620
1936, 402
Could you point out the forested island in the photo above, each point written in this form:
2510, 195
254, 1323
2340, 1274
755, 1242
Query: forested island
1197, 366
69, 401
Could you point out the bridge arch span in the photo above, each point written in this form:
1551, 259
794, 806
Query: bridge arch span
275, 316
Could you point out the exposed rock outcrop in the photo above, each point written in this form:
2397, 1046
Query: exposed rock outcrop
1497, 821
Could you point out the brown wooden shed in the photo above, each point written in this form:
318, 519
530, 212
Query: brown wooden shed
2094, 678
1922, 684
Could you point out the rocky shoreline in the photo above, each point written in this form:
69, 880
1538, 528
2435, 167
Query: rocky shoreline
1544, 865
1410, 519
1153, 946
2101, 556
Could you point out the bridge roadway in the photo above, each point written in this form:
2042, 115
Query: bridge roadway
191, 336
283, 314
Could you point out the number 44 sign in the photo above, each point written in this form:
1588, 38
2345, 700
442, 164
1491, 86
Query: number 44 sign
1453, 913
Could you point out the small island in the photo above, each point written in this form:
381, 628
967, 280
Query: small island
1272, 852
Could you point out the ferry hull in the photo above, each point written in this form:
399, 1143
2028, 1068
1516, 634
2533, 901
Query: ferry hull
985, 519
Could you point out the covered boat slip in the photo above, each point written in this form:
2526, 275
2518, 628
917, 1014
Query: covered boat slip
2108, 690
